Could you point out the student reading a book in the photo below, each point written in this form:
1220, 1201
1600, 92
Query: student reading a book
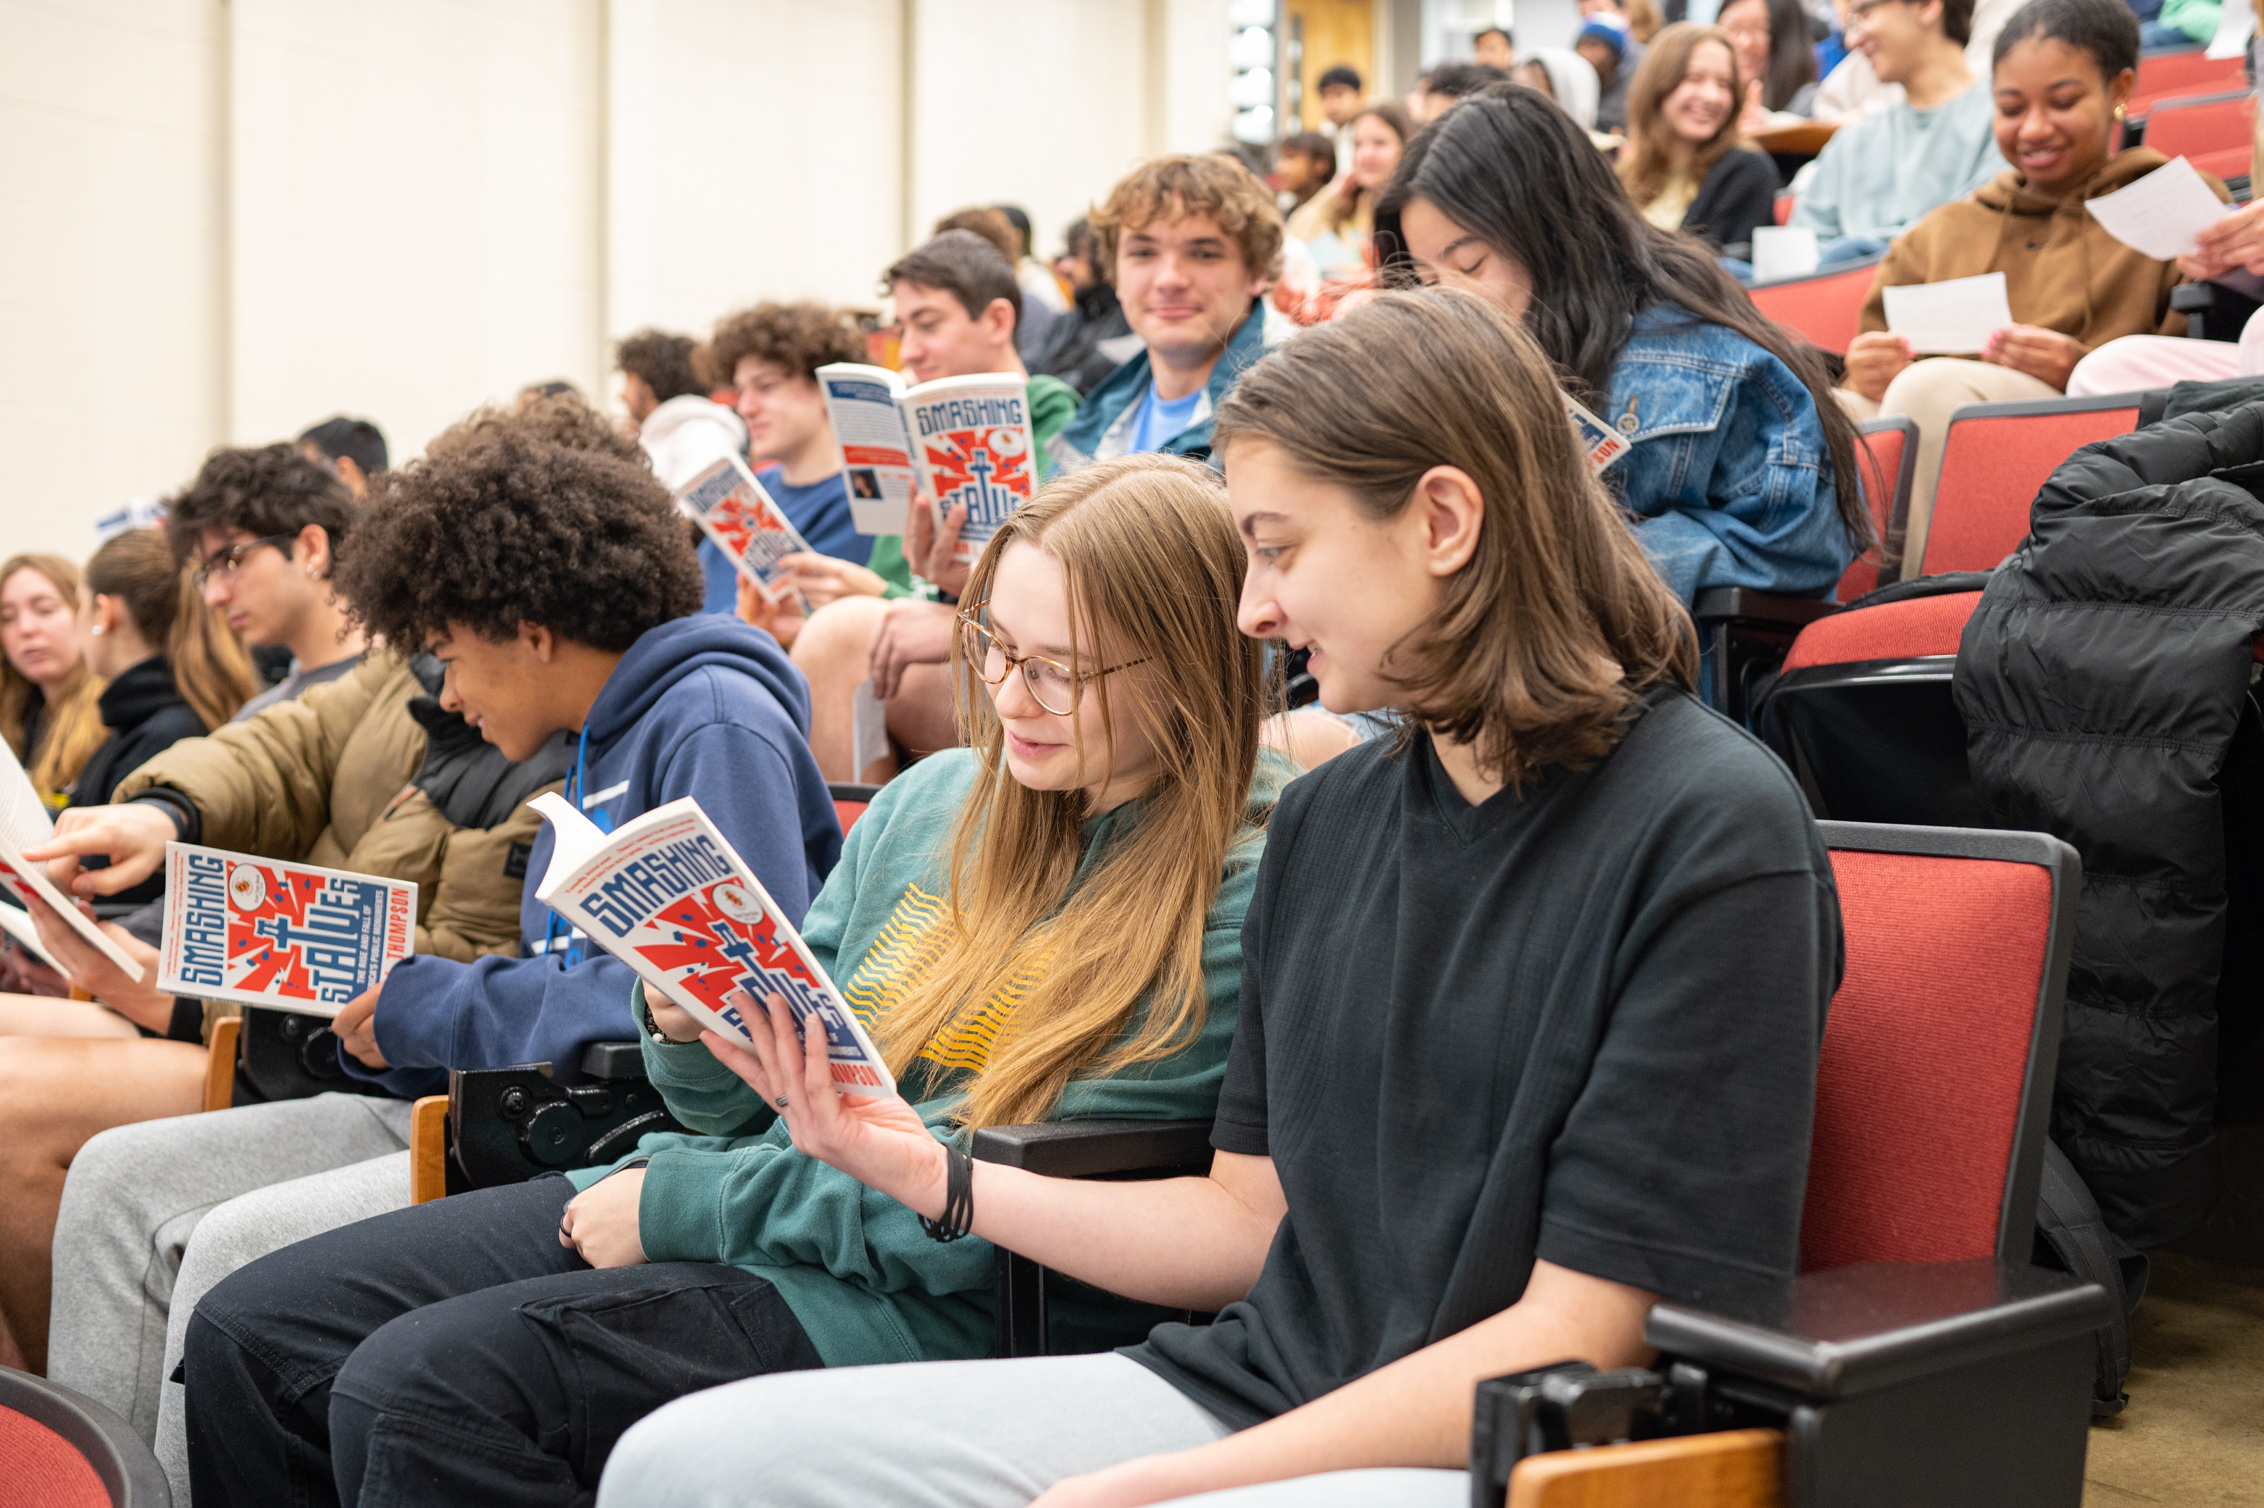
770, 355
1740, 470
47, 693
1046, 925
501, 523
1531, 1004
2062, 76
263, 527
956, 304
1687, 166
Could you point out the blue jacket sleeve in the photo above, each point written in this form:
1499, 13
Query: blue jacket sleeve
435, 1014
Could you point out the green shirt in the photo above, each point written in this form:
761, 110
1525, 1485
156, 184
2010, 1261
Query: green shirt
1052, 401
867, 1284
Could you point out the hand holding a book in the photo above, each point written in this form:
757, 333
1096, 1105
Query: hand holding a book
876, 1139
934, 551
356, 1026
822, 579
131, 835
139, 1001
600, 1223
782, 619
911, 632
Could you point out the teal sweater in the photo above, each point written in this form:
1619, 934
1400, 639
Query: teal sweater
866, 1283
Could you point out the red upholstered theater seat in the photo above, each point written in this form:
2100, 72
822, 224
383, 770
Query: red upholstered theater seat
1994, 459
1826, 307
2215, 132
1927, 1055
1884, 470
850, 801
41, 1469
2184, 72
1919, 627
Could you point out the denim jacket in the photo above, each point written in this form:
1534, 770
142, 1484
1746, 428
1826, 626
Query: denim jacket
1102, 426
1728, 475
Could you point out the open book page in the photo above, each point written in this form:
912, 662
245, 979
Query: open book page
2162, 214
16, 922
671, 899
861, 401
1952, 317
293, 937
24, 823
973, 440
23, 816
732, 509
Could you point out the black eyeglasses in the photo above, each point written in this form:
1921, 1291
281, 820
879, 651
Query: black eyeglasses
224, 562
1053, 685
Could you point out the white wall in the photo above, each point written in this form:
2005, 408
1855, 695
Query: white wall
223, 220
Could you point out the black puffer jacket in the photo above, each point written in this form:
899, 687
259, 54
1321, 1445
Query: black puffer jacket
2101, 681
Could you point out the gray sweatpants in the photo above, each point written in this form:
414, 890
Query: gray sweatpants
955, 1434
155, 1214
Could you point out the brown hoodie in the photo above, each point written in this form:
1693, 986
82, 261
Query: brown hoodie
2062, 270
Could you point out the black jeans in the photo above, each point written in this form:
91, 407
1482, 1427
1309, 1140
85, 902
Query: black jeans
456, 1353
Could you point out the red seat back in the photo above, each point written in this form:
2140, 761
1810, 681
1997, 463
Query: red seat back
1827, 307
1934, 1086
849, 802
1906, 630
1783, 207
1994, 459
1887, 456
2212, 131
2183, 71
848, 812
39, 1466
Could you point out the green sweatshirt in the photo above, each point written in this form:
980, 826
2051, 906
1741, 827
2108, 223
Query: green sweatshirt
1052, 401
867, 1284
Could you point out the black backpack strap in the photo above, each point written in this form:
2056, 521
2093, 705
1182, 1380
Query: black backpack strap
2073, 1238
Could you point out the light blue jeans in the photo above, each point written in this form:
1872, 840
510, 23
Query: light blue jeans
948, 1434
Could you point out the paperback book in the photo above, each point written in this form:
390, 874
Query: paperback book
745, 522
294, 937
669, 897
964, 441
24, 823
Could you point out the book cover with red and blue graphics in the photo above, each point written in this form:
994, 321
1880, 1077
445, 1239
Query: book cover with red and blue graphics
971, 436
292, 937
745, 522
669, 897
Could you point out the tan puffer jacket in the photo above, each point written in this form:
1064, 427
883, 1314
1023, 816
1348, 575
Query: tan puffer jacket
326, 779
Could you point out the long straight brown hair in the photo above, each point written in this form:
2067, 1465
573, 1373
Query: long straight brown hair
161, 595
1154, 572
1558, 624
1649, 158
73, 720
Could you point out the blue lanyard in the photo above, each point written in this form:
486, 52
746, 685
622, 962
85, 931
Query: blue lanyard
573, 795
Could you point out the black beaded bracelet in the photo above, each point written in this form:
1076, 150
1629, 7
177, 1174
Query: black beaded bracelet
958, 1198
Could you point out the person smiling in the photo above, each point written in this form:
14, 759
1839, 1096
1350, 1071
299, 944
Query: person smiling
2062, 77
1530, 1008
1686, 167
1044, 926
1335, 223
1740, 470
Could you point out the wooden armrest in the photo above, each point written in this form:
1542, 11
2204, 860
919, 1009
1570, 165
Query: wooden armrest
1803, 140
220, 1063
1089, 1149
428, 1149
1740, 1468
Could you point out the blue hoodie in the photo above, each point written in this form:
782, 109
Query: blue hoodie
705, 707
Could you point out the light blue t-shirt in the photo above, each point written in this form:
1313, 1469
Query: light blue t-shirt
1881, 174
1160, 422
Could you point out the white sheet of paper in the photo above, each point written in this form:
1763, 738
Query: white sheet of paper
2236, 23
2161, 214
1953, 317
868, 728
1783, 251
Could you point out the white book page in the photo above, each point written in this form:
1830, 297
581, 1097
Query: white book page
574, 838
876, 451
1951, 317
2236, 23
17, 924
2162, 214
868, 728
1784, 251
23, 817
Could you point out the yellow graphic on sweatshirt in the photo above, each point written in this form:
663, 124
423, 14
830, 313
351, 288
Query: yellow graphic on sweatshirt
901, 952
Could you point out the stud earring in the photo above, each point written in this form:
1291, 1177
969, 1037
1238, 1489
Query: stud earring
95, 629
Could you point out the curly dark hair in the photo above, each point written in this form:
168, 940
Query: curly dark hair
264, 490
799, 337
664, 361
505, 529
555, 419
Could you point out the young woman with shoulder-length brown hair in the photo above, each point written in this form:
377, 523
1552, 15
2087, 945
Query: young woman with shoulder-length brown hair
1687, 165
47, 693
1530, 1009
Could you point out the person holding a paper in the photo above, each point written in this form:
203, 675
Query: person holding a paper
1881, 173
1998, 296
1686, 165
1529, 1021
1045, 926
1740, 469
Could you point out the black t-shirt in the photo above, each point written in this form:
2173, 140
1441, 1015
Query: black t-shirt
1578, 1022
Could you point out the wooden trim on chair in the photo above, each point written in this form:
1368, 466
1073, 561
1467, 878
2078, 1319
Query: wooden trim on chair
220, 1063
428, 1149
1739, 1468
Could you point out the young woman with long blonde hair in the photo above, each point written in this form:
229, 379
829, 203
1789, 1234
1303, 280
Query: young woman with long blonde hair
47, 693
1044, 925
